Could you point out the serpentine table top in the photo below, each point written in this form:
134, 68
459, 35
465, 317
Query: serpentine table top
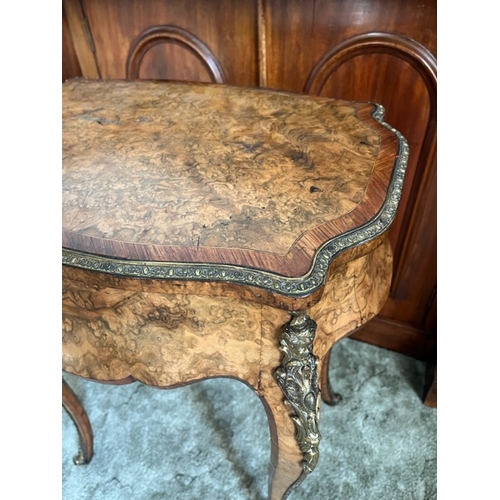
181, 200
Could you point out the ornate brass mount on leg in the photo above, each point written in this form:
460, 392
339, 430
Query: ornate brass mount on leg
298, 379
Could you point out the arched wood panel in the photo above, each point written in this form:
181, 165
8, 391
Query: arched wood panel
154, 65
405, 82
156, 36
205, 40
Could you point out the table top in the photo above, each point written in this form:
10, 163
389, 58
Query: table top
198, 181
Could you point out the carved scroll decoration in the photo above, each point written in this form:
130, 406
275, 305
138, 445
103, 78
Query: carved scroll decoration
297, 377
172, 34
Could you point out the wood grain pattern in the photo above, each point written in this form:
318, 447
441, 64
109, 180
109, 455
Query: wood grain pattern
262, 44
353, 295
77, 412
293, 36
163, 183
82, 38
135, 173
417, 77
299, 37
226, 27
287, 39
284, 465
156, 35
88, 277
70, 65
159, 339
424, 63
168, 340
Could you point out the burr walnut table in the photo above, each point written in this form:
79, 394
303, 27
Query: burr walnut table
216, 231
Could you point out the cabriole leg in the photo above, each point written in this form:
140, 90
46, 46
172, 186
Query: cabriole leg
328, 395
79, 416
297, 377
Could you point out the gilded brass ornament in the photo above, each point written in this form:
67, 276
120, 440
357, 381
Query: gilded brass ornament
298, 379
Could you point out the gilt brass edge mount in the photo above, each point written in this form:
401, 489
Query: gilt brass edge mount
297, 377
290, 286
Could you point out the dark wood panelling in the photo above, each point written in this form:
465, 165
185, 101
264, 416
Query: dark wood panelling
227, 28
82, 38
70, 65
153, 64
160, 44
382, 51
395, 336
414, 84
299, 33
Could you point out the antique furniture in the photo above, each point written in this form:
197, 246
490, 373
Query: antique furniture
364, 50
211, 230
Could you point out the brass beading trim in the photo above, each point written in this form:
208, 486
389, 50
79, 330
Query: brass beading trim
272, 282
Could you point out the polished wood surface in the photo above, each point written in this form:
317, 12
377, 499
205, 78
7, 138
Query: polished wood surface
365, 50
167, 340
384, 52
77, 412
77, 25
70, 65
430, 396
225, 28
262, 180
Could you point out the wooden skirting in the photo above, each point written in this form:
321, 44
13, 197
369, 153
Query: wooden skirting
399, 337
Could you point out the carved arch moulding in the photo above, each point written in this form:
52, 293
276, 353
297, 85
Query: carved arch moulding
155, 35
425, 64
418, 56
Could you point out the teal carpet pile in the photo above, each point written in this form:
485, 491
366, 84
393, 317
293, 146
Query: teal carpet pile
210, 440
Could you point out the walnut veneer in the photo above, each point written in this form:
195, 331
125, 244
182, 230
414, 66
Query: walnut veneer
210, 230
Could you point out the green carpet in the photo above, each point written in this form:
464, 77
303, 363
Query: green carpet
210, 440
